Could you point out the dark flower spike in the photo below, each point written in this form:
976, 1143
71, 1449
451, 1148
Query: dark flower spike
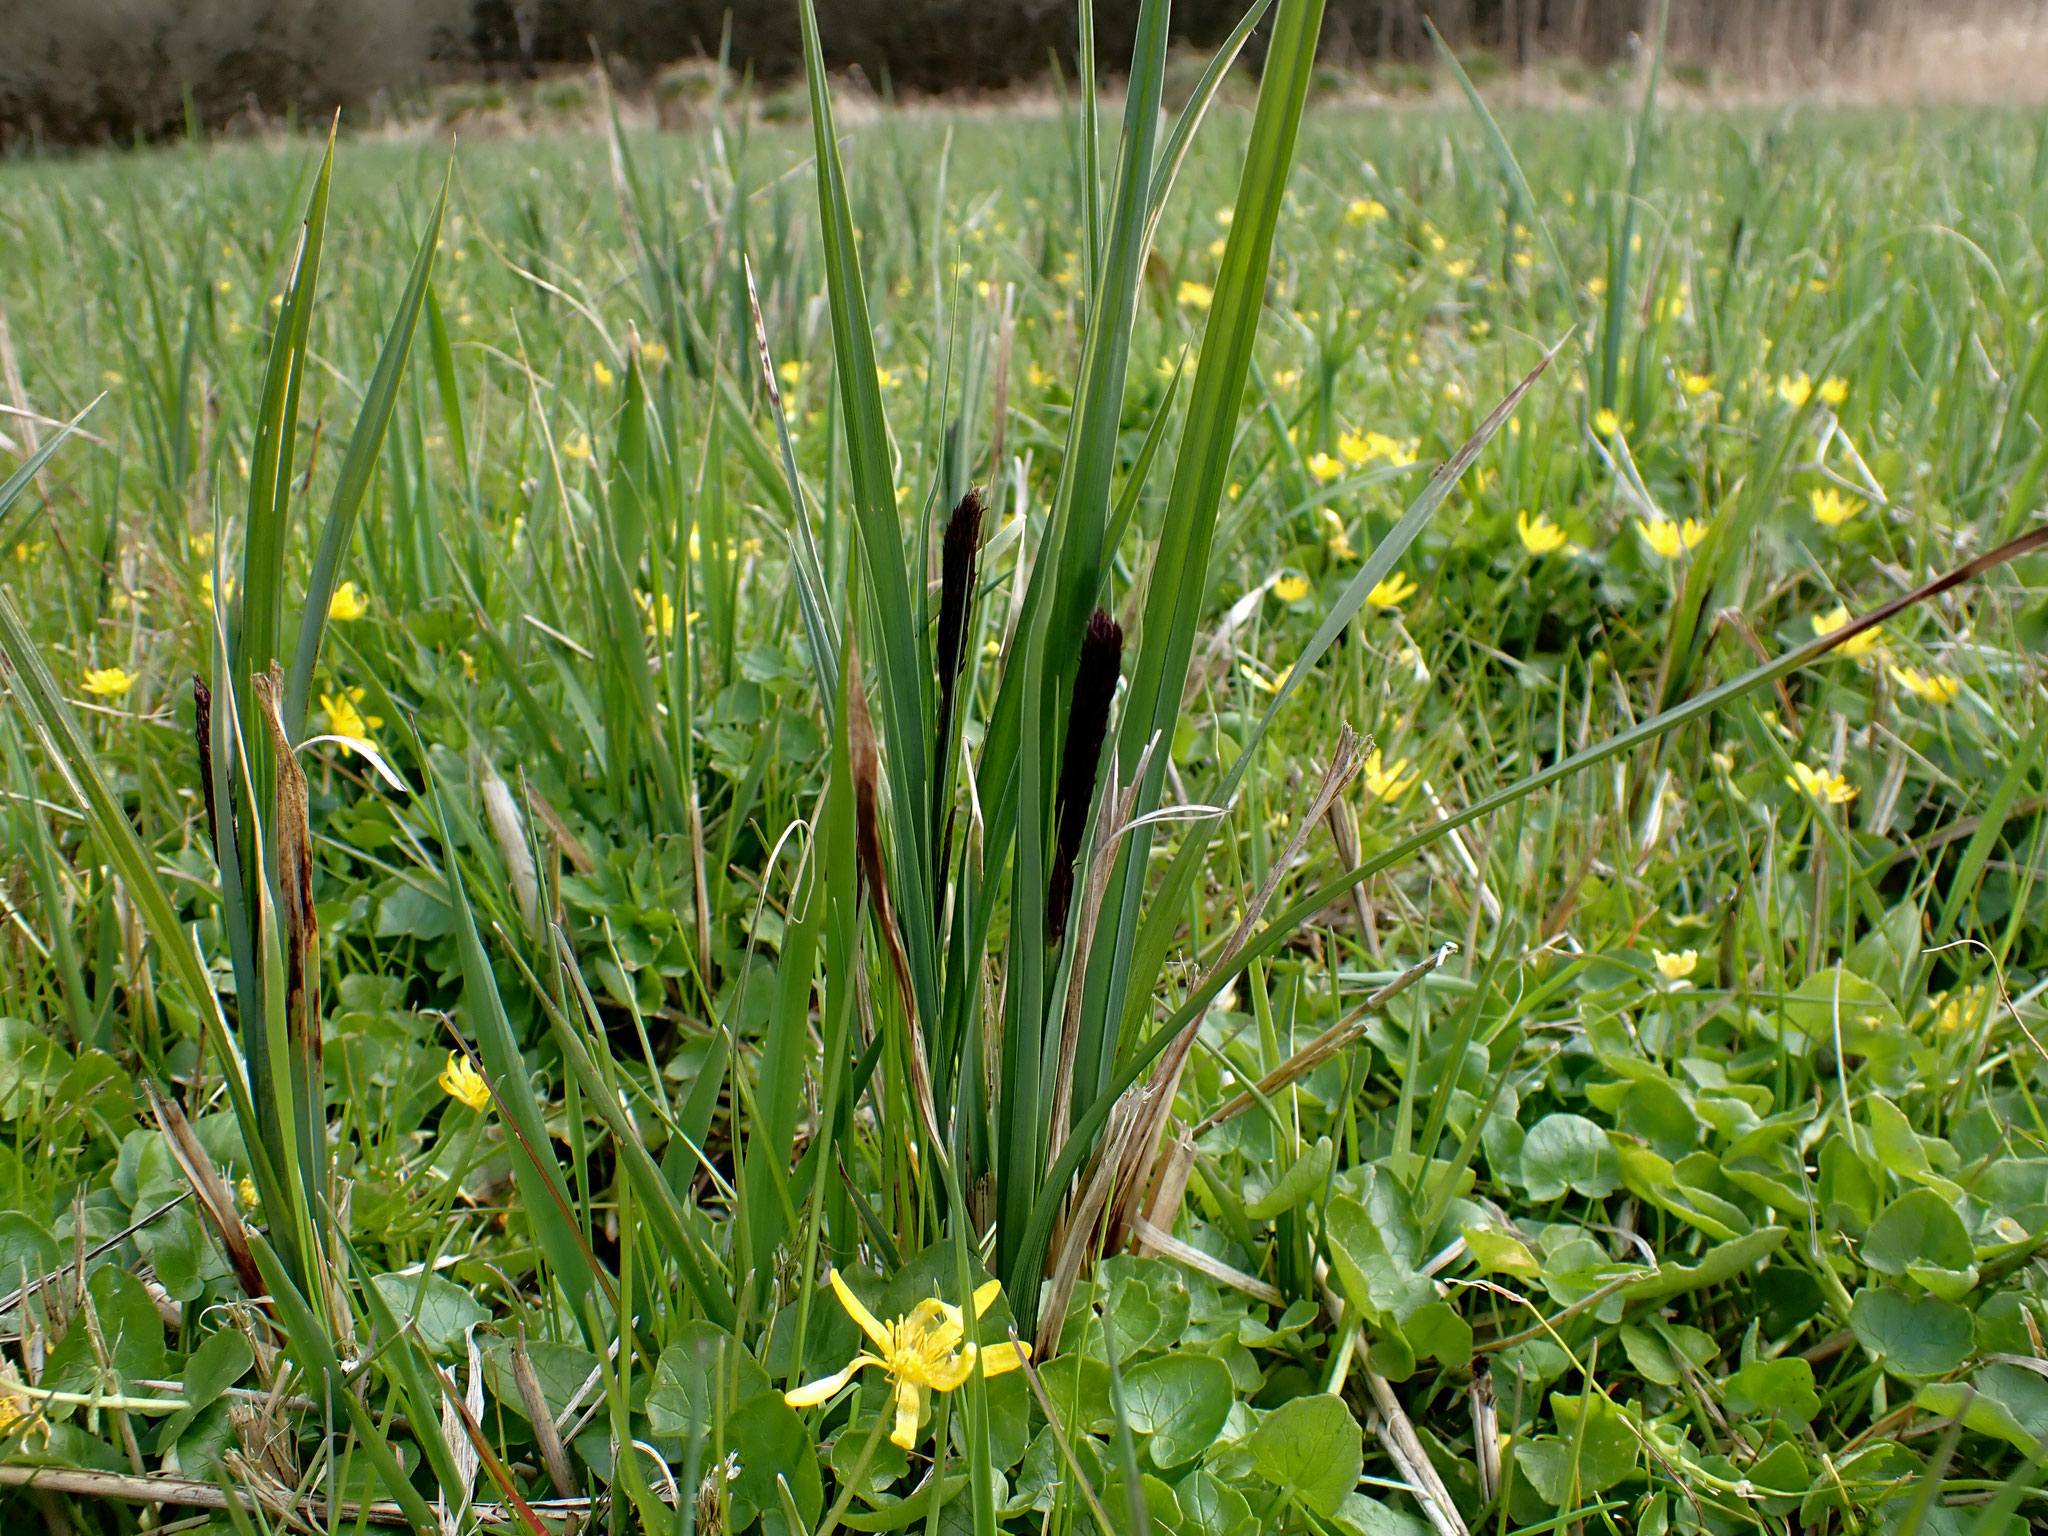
202, 736
959, 568
1102, 655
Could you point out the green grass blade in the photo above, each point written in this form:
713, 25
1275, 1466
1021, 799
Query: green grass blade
1180, 570
358, 465
903, 670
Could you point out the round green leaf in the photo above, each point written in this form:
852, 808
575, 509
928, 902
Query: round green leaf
1917, 1228
1780, 1389
1181, 1401
1311, 1447
443, 1308
1569, 1152
770, 1441
1211, 1507
1914, 1337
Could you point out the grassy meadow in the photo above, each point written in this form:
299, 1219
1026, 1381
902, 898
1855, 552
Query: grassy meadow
952, 838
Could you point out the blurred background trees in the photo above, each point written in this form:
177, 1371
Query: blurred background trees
96, 70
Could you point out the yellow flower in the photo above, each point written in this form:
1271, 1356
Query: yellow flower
1540, 537
1365, 210
245, 1192
1196, 295
1605, 422
1671, 539
1855, 645
1287, 378
1827, 788
1263, 683
653, 353
463, 1083
1676, 967
1698, 383
109, 682
1336, 537
792, 373
1928, 687
1387, 781
1290, 589
1392, 592
1364, 449
1831, 508
1036, 376
1323, 467
1794, 389
604, 376
922, 1354
345, 716
888, 378
1835, 391
576, 445
347, 603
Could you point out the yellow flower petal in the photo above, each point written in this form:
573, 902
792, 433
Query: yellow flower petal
347, 603
463, 1083
999, 1358
861, 1315
909, 1414
985, 1296
1540, 537
813, 1393
108, 682
1676, 967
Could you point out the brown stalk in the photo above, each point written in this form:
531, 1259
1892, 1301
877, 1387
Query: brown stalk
867, 779
216, 1201
536, 1404
1114, 815
301, 929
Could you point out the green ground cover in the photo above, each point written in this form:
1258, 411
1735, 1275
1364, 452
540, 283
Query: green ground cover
1600, 1093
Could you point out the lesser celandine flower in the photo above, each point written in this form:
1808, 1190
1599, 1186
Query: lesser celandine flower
347, 603
345, 716
1364, 448
1794, 389
1928, 687
463, 1083
1605, 422
604, 376
1386, 781
1671, 539
1827, 788
1834, 391
1697, 384
1290, 589
1540, 537
1392, 592
1676, 967
1855, 645
576, 445
108, 682
922, 1353
1323, 467
792, 373
1365, 210
1196, 295
1831, 508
